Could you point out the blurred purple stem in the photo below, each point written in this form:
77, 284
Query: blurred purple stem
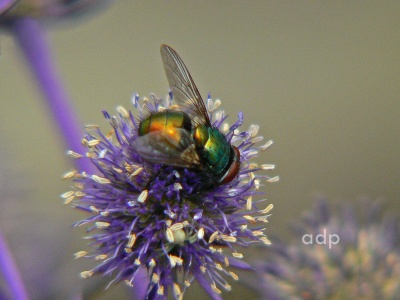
32, 41
10, 272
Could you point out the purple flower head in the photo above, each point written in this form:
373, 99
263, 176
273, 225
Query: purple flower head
164, 219
359, 258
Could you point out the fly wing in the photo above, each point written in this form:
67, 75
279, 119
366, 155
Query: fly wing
161, 147
183, 87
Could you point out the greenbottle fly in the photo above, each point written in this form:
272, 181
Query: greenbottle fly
186, 138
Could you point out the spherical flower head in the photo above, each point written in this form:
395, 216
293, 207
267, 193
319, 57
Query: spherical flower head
361, 262
162, 218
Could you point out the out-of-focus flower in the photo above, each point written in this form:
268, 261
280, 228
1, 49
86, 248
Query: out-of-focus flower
163, 219
14, 9
361, 262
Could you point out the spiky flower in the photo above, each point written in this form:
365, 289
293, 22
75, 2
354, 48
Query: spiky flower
161, 218
361, 262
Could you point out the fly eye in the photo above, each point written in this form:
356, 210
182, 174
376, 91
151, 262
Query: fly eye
233, 169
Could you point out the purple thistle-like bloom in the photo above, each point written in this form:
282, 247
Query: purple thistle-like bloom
364, 263
161, 218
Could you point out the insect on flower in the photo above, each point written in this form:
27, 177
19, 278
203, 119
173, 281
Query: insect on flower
186, 138
173, 193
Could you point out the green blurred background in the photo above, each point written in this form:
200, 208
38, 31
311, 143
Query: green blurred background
320, 78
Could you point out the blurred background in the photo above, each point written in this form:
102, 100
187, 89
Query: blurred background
320, 78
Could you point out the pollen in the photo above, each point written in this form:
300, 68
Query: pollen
265, 240
228, 238
137, 171
267, 167
100, 180
266, 145
69, 200
155, 278
93, 143
215, 289
80, 254
169, 235
177, 289
69, 175
237, 255
176, 226
79, 194
249, 203
253, 130
123, 111
200, 234
131, 241
175, 260
177, 186
67, 194
103, 153
250, 218
102, 224
152, 263
86, 274
267, 209
226, 260
234, 276
73, 154
160, 290
143, 196
101, 257
212, 237
137, 262
273, 179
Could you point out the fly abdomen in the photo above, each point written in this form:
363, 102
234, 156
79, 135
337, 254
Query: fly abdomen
161, 121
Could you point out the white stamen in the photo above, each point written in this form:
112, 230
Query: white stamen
200, 233
86, 274
123, 111
100, 180
160, 290
176, 226
143, 196
91, 126
234, 276
237, 255
177, 186
217, 104
253, 130
67, 194
213, 236
80, 254
249, 203
69, 175
73, 154
93, 142
169, 235
273, 179
102, 224
267, 167
267, 209
266, 145
103, 153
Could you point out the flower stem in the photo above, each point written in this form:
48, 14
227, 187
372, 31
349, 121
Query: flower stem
10, 272
32, 41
